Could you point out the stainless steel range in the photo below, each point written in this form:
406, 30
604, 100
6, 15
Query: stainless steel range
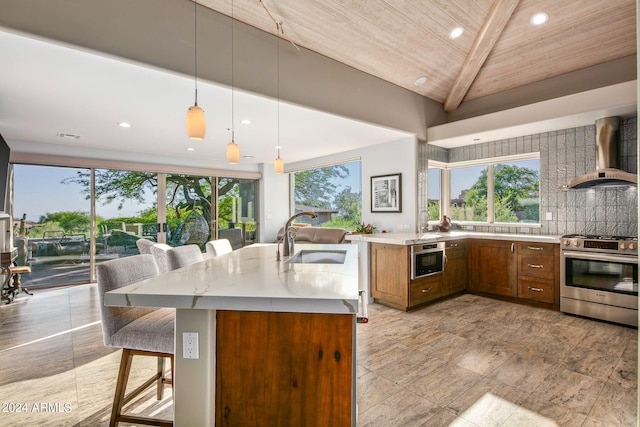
599, 277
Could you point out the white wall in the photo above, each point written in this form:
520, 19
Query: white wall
386, 159
274, 202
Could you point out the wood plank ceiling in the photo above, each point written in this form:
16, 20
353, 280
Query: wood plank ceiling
402, 40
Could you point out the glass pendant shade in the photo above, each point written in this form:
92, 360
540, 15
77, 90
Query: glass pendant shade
196, 123
233, 153
278, 165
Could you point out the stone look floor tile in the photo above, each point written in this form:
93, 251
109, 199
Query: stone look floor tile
616, 405
488, 403
570, 389
468, 361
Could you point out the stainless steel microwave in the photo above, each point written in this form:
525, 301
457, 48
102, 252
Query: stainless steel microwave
427, 259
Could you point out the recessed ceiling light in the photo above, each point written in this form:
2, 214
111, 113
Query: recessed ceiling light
191, 149
539, 18
245, 121
248, 156
456, 32
124, 125
422, 80
277, 147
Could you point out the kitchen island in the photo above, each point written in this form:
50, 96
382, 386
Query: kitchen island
276, 339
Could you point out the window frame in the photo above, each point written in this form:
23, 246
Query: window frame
445, 187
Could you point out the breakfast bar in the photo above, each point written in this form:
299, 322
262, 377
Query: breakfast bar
275, 340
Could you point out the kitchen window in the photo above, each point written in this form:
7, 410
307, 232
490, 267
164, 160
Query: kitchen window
334, 192
503, 190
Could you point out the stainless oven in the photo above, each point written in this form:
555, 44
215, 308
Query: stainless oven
599, 278
427, 259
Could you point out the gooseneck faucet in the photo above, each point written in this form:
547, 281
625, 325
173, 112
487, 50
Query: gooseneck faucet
286, 242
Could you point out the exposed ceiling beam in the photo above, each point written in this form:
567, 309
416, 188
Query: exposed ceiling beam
487, 37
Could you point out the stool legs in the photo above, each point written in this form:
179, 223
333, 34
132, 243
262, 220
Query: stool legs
120, 399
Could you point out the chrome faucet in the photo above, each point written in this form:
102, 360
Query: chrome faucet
287, 241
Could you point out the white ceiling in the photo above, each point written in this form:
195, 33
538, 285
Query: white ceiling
48, 88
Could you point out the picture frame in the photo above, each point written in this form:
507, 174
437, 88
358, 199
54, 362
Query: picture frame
386, 193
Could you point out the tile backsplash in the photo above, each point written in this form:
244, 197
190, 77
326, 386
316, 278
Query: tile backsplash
564, 154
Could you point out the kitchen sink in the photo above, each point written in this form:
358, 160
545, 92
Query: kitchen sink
310, 256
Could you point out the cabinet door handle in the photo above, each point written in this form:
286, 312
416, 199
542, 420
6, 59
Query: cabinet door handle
444, 265
424, 291
535, 289
535, 265
535, 248
513, 247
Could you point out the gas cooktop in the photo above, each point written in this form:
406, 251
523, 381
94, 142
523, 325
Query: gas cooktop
601, 243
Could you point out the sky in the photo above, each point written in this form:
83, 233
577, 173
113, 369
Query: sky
39, 190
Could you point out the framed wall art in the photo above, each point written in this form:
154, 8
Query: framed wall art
386, 193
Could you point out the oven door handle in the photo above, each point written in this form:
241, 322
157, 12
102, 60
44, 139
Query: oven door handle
625, 259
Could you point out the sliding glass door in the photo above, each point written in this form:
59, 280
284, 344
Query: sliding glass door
56, 207
126, 210
52, 224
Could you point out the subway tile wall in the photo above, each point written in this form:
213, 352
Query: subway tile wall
565, 154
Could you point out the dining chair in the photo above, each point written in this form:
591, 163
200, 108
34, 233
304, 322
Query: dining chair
214, 248
138, 331
181, 256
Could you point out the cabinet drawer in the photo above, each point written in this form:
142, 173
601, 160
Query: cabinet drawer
425, 289
536, 266
533, 248
535, 289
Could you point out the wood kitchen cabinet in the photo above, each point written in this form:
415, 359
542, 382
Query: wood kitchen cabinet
391, 283
390, 274
493, 267
455, 271
538, 271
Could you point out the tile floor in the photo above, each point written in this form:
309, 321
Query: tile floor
467, 361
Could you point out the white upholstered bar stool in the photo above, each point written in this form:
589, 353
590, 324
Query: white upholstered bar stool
214, 248
144, 246
159, 252
181, 256
139, 331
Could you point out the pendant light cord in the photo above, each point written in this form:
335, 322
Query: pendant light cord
233, 126
195, 46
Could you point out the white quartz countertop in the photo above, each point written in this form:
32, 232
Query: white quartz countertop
250, 279
417, 238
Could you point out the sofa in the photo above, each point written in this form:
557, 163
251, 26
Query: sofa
317, 235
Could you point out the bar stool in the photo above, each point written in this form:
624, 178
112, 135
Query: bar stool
139, 331
181, 256
217, 247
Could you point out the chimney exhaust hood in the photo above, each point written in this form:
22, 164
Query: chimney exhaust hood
607, 172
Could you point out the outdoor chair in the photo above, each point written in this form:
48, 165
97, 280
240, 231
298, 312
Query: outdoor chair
139, 331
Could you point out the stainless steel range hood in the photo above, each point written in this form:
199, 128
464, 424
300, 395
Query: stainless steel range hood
607, 172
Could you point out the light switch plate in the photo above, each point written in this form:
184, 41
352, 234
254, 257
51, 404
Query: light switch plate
190, 345
548, 216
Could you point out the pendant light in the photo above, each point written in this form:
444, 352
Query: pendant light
196, 123
278, 164
233, 151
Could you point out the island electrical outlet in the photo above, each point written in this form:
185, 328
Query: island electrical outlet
190, 345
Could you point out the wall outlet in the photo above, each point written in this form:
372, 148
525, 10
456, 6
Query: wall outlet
469, 227
190, 345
